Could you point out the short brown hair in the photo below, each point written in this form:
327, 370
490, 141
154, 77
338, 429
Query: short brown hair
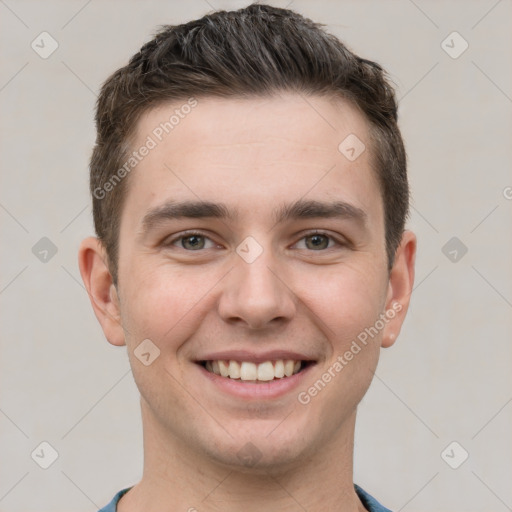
255, 51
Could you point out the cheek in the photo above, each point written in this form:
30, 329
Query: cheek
163, 304
347, 303
165, 307
348, 299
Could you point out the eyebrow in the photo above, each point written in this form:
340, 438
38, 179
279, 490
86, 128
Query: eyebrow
301, 209
190, 209
310, 209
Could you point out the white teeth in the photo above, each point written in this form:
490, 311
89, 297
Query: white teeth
288, 367
224, 368
234, 370
266, 371
279, 369
248, 371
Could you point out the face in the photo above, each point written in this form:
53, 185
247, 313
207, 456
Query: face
252, 256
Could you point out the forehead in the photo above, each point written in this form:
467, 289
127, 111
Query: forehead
311, 124
252, 151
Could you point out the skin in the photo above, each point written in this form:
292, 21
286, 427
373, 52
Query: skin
253, 155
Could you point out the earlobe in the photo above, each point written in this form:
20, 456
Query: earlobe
401, 282
97, 279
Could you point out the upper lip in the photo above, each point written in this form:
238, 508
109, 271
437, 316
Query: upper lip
254, 357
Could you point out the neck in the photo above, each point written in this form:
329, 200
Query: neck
177, 476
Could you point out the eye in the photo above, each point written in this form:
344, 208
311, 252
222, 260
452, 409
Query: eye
193, 242
316, 242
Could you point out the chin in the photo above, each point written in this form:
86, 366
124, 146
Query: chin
258, 451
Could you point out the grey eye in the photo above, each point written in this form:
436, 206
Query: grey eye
316, 242
193, 242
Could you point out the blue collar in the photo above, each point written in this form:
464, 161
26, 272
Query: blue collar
370, 503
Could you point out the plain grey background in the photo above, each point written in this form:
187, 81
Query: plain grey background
447, 379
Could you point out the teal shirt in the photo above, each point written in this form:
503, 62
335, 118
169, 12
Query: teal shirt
371, 504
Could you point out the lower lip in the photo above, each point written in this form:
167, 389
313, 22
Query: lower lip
250, 390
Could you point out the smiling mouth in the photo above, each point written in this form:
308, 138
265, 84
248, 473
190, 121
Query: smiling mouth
250, 372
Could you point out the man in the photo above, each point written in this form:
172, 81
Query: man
249, 195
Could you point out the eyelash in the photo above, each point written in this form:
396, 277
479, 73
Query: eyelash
187, 234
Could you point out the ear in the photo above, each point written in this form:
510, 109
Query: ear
92, 260
401, 281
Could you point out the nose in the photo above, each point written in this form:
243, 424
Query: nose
256, 294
